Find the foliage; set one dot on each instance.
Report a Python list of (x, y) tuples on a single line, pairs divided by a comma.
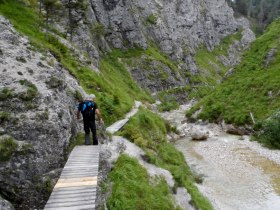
[(78, 96), (5, 93), (169, 98), (269, 133), (7, 147), (148, 131), (132, 188), (79, 7), (50, 7), (151, 19), (211, 69), (254, 87), (55, 82), (4, 116), (31, 91), (98, 29), (169, 103), (261, 12)]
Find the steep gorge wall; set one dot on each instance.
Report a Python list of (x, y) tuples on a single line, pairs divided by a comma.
[(37, 118)]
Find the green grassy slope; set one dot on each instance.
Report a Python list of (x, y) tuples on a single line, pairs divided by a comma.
[(133, 189), (254, 87), (211, 69)]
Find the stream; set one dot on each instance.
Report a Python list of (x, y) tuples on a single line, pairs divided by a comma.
[(237, 174)]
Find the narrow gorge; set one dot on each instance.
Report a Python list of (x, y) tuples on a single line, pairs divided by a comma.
[(193, 66)]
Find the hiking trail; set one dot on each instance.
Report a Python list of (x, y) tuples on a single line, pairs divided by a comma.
[(76, 187)]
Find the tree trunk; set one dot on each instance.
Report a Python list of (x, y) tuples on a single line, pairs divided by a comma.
[(47, 22), (40, 8), (250, 7), (70, 19)]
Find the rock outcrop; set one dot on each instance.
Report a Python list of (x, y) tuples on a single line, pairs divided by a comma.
[(199, 135)]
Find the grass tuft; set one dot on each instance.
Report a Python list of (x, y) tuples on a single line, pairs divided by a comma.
[(7, 147)]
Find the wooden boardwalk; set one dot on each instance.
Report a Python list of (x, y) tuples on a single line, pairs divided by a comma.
[(76, 187), (119, 124)]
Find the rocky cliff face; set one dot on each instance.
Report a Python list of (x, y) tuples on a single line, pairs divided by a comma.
[(177, 27), (37, 118)]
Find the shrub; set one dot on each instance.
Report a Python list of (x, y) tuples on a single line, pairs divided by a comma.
[(31, 92), (98, 29), (5, 94), (55, 82), (168, 106), (7, 147), (152, 19), (78, 96), (270, 132), (4, 116)]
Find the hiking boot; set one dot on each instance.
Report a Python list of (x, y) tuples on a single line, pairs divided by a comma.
[(95, 140), (87, 139)]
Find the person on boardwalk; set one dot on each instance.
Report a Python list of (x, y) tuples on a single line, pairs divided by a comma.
[(89, 109)]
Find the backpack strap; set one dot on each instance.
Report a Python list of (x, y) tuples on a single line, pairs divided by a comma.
[(84, 107)]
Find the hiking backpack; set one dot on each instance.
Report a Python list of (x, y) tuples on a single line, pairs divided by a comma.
[(88, 109)]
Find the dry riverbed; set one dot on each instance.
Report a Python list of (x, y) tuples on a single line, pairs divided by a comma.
[(237, 174)]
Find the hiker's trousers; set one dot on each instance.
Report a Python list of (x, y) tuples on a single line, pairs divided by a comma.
[(89, 125)]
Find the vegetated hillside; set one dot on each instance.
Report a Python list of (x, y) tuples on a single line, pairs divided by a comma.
[(254, 86)]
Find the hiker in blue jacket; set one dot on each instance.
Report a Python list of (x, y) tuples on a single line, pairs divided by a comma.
[(89, 108)]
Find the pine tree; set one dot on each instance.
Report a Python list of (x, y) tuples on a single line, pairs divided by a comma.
[(77, 5), (50, 7)]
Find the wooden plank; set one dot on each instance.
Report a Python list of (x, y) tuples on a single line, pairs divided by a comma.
[(79, 182), (82, 207), (83, 179), (70, 203), (72, 199), (69, 192)]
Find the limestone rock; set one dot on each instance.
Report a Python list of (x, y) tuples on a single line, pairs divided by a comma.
[(5, 205), (270, 56), (199, 135), (239, 131)]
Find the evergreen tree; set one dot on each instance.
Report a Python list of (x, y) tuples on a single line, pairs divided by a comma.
[(79, 6), (50, 7), (263, 12)]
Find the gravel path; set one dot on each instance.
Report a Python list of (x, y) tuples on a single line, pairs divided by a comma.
[(237, 174)]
